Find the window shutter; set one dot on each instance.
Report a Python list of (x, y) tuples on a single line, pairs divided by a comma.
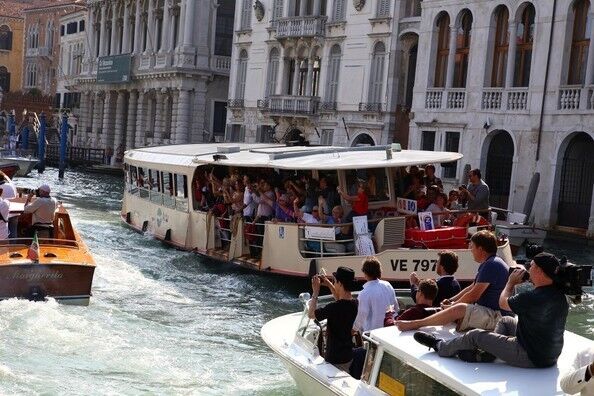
[(241, 137), (278, 9), (327, 137), (339, 10), (259, 138), (228, 132), (383, 9)]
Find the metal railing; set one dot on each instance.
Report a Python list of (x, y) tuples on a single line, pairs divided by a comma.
[(236, 103), (371, 107)]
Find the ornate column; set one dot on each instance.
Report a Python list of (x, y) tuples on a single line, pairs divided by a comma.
[(106, 130), (102, 29), (159, 121), (126, 32), (296, 77), (316, 8), (140, 120), (451, 57), (114, 29), (511, 55), (589, 79), (198, 111), (309, 79), (188, 23), (302, 8), (174, 108), (82, 118), (150, 22), (131, 122), (282, 71), (183, 112), (89, 129), (98, 119), (118, 143), (165, 29), (137, 31), (90, 25)]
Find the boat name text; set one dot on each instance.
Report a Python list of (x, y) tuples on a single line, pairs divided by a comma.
[(21, 275)]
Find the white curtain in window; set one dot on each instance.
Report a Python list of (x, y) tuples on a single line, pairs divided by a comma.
[(241, 75), (272, 75), (333, 74), (246, 15), (376, 79)]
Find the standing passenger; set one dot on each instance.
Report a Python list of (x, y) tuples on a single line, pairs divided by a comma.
[(376, 298)]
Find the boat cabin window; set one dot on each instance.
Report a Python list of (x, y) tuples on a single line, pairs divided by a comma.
[(167, 183), (181, 186), (397, 377), (140, 181), (376, 179)]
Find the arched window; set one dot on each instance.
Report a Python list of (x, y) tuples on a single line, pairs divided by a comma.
[(582, 27), (272, 73), (376, 77), (49, 36), (317, 64), (339, 12), (246, 15), (524, 40), (500, 47), (5, 38), (443, 49), (463, 35), (333, 74), (4, 79), (241, 74)]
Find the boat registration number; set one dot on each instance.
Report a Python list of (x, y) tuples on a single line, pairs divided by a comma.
[(422, 265)]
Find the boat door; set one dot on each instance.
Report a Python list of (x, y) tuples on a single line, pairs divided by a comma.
[(577, 180)]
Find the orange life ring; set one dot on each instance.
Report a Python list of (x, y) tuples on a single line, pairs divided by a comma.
[(466, 219)]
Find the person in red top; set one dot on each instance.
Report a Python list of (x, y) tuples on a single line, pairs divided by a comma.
[(359, 202), (426, 293)]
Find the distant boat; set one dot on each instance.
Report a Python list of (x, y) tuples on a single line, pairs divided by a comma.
[(25, 163), (59, 265)]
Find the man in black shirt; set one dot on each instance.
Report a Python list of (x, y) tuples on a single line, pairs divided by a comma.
[(340, 314), (534, 338)]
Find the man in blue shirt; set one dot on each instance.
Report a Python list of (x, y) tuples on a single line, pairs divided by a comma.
[(477, 306)]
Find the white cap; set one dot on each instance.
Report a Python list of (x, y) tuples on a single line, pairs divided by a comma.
[(45, 187)]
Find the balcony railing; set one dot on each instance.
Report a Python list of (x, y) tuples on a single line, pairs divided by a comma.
[(301, 26), (370, 107), (235, 103), (263, 104), (510, 99), (220, 63), (328, 106), (517, 99), (290, 104), (569, 97), (491, 98), (456, 98), (433, 98)]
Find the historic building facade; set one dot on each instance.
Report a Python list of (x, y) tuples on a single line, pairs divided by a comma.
[(73, 36), (329, 72), (175, 88), (11, 48), (510, 85), (42, 45)]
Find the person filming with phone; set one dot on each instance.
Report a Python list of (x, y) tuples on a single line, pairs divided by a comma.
[(477, 192)]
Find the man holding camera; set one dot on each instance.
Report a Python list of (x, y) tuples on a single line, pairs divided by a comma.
[(42, 209), (477, 191), (534, 338), (340, 314)]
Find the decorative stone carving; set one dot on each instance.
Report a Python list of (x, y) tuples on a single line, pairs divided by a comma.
[(259, 10), (359, 4)]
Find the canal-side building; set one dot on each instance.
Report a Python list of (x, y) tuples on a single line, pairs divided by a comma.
[(42, 45), (11, 46), (72, 51), (510, 85), (327, 72), (156, 73)]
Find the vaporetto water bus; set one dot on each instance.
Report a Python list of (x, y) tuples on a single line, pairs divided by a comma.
[(159, 199), (395, 364)]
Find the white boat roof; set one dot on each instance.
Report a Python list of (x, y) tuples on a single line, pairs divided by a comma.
[(480, 378), (283, 157)]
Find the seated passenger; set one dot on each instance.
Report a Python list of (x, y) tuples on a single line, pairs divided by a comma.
[(340, 314), (376, 298), (42, 209), (430, 179), (439, 207), (282, 208), (425, 295), (477, 306), (447, 284), (453, 203), (4, 212)]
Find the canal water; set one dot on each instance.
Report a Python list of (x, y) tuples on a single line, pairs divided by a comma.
[(160, 321)]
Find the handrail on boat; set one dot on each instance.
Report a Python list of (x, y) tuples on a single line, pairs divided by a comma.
[(13, 242)]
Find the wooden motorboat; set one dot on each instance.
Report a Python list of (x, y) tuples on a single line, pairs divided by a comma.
[(396, 364), (63, 268), (10, 169)]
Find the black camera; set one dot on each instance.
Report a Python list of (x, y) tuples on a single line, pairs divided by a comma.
[(526, 275), (571, 278)]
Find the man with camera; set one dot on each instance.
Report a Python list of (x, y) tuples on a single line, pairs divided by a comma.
[(532, 339), (42, 210), (340, 314), (477, 191)]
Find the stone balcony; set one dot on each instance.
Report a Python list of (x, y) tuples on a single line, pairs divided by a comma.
[(220, 64), (445, 98), (39, 51), (301, 26), (291, 105), (575, 98), (505, 99)]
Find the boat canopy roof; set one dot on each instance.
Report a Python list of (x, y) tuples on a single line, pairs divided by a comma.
[(284, 157), (479, 378)]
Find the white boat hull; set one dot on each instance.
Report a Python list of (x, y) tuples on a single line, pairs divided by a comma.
[(518, 234), (26, 165)]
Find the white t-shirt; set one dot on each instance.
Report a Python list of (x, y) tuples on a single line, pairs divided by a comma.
[(8, 190), (4, 210)]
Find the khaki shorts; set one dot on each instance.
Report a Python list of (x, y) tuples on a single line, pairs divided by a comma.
[(479, 317)]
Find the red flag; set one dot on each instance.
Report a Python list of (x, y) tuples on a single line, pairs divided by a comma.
[(33, 252)]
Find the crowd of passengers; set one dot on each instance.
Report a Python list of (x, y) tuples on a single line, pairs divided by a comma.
[(523, 328), (264, 195)]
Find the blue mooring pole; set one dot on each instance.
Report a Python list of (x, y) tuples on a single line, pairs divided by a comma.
[(63, 145), (41, 143), (25, 138), (11, 132)]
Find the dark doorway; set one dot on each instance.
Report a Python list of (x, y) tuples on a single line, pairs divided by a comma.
[(295, 137), (363, 140), (499, 168), (410, 76), (4, 79), (577, 179), (218, 124)]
